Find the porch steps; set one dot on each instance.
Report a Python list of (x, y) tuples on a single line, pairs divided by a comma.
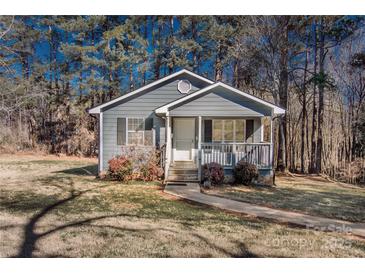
[(183, 165), (183, 172), (174, 178)]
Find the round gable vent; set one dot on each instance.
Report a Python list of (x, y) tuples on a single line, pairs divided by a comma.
[(184, 86)]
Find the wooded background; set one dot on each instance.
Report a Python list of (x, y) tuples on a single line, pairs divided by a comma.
[(52, 68)]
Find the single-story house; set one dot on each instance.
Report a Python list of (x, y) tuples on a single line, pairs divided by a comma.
[(193, 121)]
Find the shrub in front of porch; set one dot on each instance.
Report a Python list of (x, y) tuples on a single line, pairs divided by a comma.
[(214, 173), (120, 168), (150, 171), (145, 162), (245, 173)]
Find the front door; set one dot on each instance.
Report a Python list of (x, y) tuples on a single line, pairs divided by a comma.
[(183, 139)]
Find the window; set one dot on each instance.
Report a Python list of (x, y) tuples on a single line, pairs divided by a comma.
[(229, 130), (135, 131), (240, 130), (135, 124), (217, 130)]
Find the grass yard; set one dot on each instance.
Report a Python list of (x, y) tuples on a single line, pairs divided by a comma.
[(311, 195), (54, 207)]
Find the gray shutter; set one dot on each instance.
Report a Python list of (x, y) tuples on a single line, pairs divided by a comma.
[(121, 131), (148, 134), (249, 131), (148, 123), (208, 131)]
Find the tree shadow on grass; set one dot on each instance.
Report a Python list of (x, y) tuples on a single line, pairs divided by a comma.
[(90, 170), (31, 236), (243, 252)]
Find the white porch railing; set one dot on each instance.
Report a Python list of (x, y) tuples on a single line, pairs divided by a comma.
[(228, 154)]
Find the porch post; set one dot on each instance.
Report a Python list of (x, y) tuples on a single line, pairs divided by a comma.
[(261, 129), (168, 144), (199, 146), (101, 143), (271, 142)]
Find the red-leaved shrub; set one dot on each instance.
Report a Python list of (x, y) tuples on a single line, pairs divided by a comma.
[(151, 172), (145, 163), (245, 173), (214, 173), (120, 168)]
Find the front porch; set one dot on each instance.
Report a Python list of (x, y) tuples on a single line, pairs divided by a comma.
[(219, 124), (192, 142)]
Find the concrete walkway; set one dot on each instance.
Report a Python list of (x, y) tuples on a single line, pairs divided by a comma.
[(191, 191)]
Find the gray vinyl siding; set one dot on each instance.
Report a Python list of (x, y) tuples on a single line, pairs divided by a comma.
[(221, 104), (142, 106)]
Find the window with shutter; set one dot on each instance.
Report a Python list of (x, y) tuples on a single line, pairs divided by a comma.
[(135, 131)]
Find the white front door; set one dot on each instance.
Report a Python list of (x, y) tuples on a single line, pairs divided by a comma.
[(183, 139)]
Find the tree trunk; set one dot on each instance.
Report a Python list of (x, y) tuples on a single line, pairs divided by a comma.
[(304, 110), (235, 74), (283, 96), (157, 64), (314, 113), (131, 82), (218, 66), (171, 42), (194, 37), (320, 98)]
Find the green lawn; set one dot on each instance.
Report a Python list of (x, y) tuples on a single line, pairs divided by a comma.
[(53, 207), (312, 195)]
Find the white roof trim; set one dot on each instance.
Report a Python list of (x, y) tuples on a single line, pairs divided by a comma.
[(97, 109), (165, 108)]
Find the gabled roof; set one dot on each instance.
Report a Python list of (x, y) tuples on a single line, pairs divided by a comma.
[(164, 109), (98, 109)]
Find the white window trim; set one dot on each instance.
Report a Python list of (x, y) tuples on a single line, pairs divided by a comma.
[(127, 130)]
